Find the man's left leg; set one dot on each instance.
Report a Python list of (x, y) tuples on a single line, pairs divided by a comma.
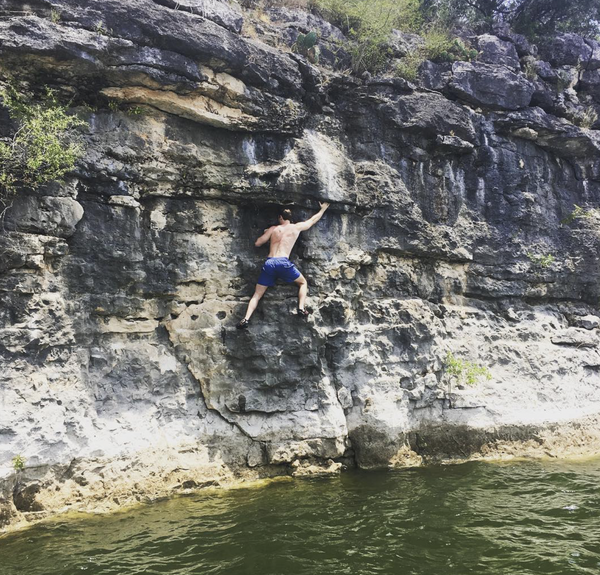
[(302, 293)]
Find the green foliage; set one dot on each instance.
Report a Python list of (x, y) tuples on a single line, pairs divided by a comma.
[(136, 111), (588, 118), (408, 68), (44, 146), (581, 213), (439, 46), (55, 16), (100, 28), (465, 372), (543, 261), (530, 70), (442, 47), (368, 24), (563, 80), (306, 44), (18, 462), (113, 105)]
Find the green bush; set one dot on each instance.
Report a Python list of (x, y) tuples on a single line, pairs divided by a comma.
[(368, 24), (465, 372), (18, 462), (306, 44), (439, 46), (579, 213), (587, 118), (408, 68), (43, 147), (543, 261)]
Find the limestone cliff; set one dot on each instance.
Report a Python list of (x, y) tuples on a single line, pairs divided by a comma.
[(122, 374)]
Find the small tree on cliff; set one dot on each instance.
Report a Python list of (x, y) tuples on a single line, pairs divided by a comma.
[(42, 146)]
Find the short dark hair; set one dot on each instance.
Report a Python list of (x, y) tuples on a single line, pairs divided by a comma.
[(286, 214)]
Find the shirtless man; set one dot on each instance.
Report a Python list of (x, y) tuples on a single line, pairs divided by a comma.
[(282, 238)]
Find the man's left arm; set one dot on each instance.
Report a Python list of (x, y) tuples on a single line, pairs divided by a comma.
[(303, 226)]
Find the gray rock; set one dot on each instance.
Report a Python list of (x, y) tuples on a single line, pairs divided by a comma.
[(522, 45), (576, 337), (593, 62), (490, 86), (219, 11), (454, 145), (404, 43), (492, 50), (435, 76), (45, 215), (565, 49), (587, 322), (545, 71)]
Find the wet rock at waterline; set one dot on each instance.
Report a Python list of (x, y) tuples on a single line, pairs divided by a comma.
[(122, 375)]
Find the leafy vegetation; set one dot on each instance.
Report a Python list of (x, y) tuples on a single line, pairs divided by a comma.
[(368, 25), (43, 147), (439, 46), (306, 44), (465, 372), (136, 111), (581, 213), (543, 260), (530, 70), (588, 118), (18, 462)]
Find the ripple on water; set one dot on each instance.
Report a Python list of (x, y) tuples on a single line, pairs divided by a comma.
[(521, 518)]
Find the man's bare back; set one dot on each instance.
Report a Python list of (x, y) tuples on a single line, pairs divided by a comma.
[(284, 236), (282, 239)]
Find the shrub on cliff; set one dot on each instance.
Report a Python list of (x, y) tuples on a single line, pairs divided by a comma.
[(439, 46), (465, 372), (43, 146), (368, 24)]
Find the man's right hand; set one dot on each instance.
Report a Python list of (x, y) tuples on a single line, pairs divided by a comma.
[(324, 205)]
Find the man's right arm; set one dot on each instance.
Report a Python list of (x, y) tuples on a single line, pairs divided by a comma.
[(303, 226), (265, 237)]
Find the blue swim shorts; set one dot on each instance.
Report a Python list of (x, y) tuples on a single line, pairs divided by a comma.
[(278, 268)]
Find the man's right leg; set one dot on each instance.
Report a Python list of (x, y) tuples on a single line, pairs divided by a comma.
[(258, 293), (302, 291)]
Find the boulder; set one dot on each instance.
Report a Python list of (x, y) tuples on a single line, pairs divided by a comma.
[(45, 215), (593, 62), (490, 86), (435, 76), (492, 50), (566, 49), (220, 12)]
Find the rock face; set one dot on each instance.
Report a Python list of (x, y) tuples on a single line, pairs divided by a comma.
[(122, 374)]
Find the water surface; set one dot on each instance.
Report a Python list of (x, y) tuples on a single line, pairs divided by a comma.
[(513, 518)]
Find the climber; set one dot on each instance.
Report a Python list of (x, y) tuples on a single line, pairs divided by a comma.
[(282, 238)]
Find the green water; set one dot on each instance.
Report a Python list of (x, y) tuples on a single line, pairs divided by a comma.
[(513, 519)]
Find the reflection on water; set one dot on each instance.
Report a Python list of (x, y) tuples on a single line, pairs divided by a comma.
[(514, 519)]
